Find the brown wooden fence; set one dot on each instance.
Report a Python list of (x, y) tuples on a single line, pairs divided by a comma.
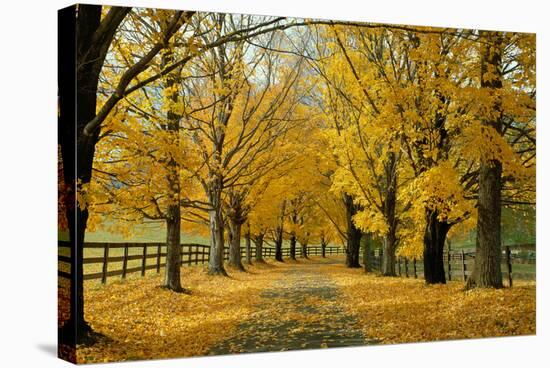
[(517, 261), (191, 254)]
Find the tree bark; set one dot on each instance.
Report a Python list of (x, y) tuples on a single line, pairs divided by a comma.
[(258, 244), (366, 240), (323, 248), (82, 46), (215, 263), (353, 234), (248, 246), (389, 205), (235, 258), (388, 257), (434, 244), (292, 250), (173, 249), (279, 234), (173, 211), (487, 272), (303, 247)]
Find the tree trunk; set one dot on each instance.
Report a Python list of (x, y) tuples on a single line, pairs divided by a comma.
[(235, 258), (390, 201), (173, 211), (215, 263), (79, 50), (84, 38), (173, 249), (366, 239), (303, 247), (323, 248), (76, 329), (388, 255), (292, 246), (434, 244), (487, 272), (247, 246), (258, 244), (279, 234), (353, 234)]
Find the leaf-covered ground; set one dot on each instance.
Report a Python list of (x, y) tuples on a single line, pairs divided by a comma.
[(305, 304), (143, 321), (397, 310)]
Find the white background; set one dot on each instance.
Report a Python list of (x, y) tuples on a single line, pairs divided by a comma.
[(28, 181)]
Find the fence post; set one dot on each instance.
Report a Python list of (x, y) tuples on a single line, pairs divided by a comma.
[(406, 268), (449, 275), (105, 265), (414, 268), (158, 257), (509, 264), (125, 260), (463, 259), (144, 260), (196, 254)]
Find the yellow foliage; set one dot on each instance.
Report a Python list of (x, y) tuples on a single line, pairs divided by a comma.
[(400, 310), (143, 321)]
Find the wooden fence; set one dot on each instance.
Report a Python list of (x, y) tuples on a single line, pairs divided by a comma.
[(191, 254), (517, 262)]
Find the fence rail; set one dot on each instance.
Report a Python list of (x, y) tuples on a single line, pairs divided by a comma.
[(517, 260), (191, 254), (459, 263)]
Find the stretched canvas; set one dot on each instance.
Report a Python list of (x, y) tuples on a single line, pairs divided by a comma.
[(234, 183)]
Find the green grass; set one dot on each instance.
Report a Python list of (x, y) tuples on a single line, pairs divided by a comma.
[(143, 233), (156, 233)]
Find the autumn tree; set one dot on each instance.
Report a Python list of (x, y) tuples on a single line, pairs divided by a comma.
[(364, 144), (299, 222), (265, 216), (236, 114), (94, 35), (506, 66)]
